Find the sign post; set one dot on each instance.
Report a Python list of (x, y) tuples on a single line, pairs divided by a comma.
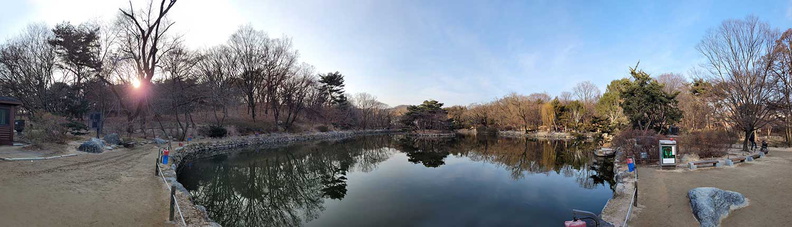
[(668, 152), (96, 122)]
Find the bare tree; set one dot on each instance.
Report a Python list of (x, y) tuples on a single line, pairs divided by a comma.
[(370, 108), (586, 92), (782, 53), (27, 63), (279, 67), (741, 74), (296, 92), (565, 97), (143, 40), (672, 82), (178, 93), (215, 73), (263, 66)]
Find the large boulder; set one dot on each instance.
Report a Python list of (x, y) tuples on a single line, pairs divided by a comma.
[(112, 139), (92, 146), (159, 141), (711, 205)]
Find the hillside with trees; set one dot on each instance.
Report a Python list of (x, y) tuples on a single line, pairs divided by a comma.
[(146, 82)]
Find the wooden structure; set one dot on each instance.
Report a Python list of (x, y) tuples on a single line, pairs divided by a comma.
[(713, 163), (7, 110)]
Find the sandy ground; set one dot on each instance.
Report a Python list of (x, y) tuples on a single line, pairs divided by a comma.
[(115, 188), (765, 182), (20, 152)]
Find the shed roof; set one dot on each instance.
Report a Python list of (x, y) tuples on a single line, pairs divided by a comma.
[(9, 100)]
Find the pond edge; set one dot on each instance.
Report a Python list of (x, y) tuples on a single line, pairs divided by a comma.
[(196, 215)]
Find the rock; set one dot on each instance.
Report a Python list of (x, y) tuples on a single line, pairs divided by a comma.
[(159, 141), (711, 205), (92, 146), (112, 139), (201, 209)]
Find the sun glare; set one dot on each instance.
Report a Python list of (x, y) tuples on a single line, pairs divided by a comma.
[(135, 83)]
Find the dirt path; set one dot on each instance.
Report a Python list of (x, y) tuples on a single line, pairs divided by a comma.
[(115, 188), (765, 182)]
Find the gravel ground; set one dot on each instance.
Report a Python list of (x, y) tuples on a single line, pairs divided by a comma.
[(765, 182), (115, 188)]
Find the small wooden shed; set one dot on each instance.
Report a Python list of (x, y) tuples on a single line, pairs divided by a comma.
[(7, 110)]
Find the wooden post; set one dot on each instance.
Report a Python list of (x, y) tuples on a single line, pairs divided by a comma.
[(172, 202), (635, 203)]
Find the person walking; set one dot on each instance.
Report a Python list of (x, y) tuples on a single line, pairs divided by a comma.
[(752, 138)]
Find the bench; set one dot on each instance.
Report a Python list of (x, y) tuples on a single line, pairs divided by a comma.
[(696, 164), (737, 159), (748, 158)]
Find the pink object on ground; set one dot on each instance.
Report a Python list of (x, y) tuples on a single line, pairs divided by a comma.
[(578, 223)]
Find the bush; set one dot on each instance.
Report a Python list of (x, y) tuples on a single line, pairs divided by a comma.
[(483, 130), (632, 142), (706, 144), (213, 131), (248, 127), (75, 127), (322, 128), (47, 128)]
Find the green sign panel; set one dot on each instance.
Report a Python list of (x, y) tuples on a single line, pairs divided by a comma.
[(667, 152)]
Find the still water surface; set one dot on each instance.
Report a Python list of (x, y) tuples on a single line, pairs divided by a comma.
[(401, 181)]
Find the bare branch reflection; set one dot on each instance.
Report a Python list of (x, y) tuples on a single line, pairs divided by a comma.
[(289, 186)]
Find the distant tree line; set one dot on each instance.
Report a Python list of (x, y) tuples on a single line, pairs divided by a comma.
[(137, 69), (138, 73)]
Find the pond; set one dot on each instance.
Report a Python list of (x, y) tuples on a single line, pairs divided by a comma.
[(397, 180)]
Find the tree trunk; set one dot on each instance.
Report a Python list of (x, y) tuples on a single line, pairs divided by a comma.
[(747, 138), (788, 136)]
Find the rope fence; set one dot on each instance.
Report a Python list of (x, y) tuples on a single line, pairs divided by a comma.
[(172, 189), (633, 201)]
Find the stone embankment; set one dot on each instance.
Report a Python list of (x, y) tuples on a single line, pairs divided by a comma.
[(543, 135), (434, 135), (619, 208), (195, 215)]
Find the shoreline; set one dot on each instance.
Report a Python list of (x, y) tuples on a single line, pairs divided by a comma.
[(195, 214), (618, 209)]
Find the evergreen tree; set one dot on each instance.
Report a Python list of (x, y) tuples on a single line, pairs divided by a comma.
[(333, 88), (647, 106), (430, 115)]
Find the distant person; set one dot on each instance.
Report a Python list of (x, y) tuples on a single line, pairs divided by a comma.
[(752, 138), (764, 147)]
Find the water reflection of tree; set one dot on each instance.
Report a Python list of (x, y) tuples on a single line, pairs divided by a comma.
[(284, 187), (569, 158), (520, 156), (430, 152), (287, 186)]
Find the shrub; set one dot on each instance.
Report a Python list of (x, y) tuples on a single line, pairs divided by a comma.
[(296, 128), (248, 127), (706, 144), (632, 142), (75, 127), (47, 128), (213, 131), (483, 130), (322, 128)]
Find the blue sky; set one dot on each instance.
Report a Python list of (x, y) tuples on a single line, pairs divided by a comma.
[(458, 52)]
